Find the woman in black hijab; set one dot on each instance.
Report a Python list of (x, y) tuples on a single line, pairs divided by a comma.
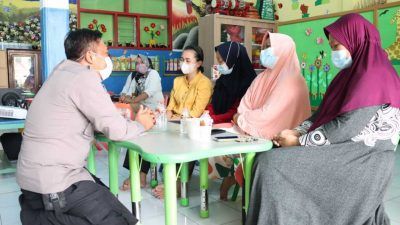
[(237, 73)]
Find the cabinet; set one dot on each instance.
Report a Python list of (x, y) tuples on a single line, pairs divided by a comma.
[(215, 29)]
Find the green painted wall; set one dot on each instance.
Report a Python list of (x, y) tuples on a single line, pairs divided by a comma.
[(389, 32)]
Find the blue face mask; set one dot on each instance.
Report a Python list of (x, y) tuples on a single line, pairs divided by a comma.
[(267, 58), (224, 69), (341, 60)]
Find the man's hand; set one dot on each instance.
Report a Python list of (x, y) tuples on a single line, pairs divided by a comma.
[(145, 117)]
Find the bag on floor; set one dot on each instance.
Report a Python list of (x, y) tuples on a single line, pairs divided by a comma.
[(11, 143)]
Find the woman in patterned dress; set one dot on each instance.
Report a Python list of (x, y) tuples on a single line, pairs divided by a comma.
[(334, 168)]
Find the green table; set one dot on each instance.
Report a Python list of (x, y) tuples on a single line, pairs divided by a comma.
[(169, 148)]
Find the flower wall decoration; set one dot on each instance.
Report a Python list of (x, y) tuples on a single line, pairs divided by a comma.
[(95, 25), (154, 33), (27, 31)]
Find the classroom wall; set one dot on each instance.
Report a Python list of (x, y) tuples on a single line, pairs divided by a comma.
[(292, 9), (314, 52)]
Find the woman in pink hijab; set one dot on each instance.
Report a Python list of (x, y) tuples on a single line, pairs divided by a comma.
[(278, 98)]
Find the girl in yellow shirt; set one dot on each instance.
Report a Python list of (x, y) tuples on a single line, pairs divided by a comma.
[(192, 91)]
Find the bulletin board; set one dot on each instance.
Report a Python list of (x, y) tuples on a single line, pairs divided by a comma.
[(314, 51)]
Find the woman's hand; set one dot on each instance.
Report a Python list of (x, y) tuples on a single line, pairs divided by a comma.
[(169, 114), (122, 98), (235, 118), (287, 138)]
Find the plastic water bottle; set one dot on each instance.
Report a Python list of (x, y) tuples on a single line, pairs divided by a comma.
[(206, 118), (162, 120), (183, 125)]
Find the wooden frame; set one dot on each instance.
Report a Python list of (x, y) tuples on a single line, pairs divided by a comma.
[(126, 13), (36, 63)]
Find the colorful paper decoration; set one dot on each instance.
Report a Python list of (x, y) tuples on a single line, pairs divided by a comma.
[(295, 4), (304, 11), (153, 33), (320, 40), (267, 10), (95, 25), (309, 31)]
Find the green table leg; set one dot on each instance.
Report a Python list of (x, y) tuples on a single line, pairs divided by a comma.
[(113, 155), (204, 213), (184, 181), (248, 166), (170, 194), (154, 180), (91, 160), (135, 183)]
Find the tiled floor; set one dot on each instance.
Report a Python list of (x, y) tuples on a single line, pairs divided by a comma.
[(227, 213)]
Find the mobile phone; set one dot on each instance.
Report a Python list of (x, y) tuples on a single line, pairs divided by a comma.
[(217, 131), (225, 138)]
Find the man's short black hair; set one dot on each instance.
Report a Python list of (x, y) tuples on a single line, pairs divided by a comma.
[(80, 41)]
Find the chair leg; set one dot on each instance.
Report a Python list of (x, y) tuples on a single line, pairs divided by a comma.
[(235, 192)]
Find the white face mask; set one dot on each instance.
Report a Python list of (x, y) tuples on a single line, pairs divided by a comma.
[(106, 72), (187, 68), (267, 58), (341, 60), (224, 69)]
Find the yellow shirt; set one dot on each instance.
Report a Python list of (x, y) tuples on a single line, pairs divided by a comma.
[(194, 95)]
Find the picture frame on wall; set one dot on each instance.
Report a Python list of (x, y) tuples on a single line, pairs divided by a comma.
[(24, 69)]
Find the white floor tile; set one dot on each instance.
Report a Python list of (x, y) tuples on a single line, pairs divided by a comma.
[(219, 214), (181, 220), (392, 208), (10, 215), (9, 199)]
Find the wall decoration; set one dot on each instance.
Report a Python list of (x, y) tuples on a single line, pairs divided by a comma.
[(394, 49), (267, 10), (321, 2), (185, 21), (154, 32), (360, 4), (320, 40), (309, 31), (304, 11), (295, 4), (20, 22), (389, 28), (95, 25), (129, 23)]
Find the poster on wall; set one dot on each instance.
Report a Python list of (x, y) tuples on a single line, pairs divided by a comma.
[(20, 21)]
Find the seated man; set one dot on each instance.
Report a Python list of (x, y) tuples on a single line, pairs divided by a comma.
[(56, 188)]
